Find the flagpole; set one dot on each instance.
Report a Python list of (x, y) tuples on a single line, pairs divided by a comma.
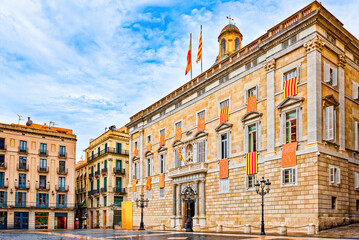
[(201, 52), (190, 36)]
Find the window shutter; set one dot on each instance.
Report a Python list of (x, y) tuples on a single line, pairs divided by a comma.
[(330, 122), (282, 128), (294, 175), (356, 135), (326, 72), (355, 90), (258, 132), (334, 125), (331, 175), (245, 139), (218, 146), (57, 198), (335, 77), (338, 176), (17, 197), (196, 152), (283, 177), (356, 177)]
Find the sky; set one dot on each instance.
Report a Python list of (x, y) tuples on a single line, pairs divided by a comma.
[(89, 64)]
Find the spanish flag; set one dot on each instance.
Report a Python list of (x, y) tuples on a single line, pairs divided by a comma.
[(189, 60), (290, 87), (199, 54), (161, 183), (180, 157), (223, 168)]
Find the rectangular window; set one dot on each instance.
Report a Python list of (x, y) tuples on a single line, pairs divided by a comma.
[(20, 199), (62, 151), (162, 132), (98, 202), (43, 148), (330, 74), (149, 194), (23, 146), (224, 79), (224, 185), (104, 201), (289, 176), (289, 75), (251, 92), (148, 139), (252, 138), (118, 147), (329, 119), (162, 163), (2, 143), (62, 166), (149, 120), (291, 127), (251, 181), (61, 199), (334, 202), (22, 162), (43, 164), (201, 114), (224, 104), (224, 146), (334, 175), (42, 182), (162, 193), (22, 180), (162, 113), (176, 157), (2, 198), (201, 149), (148, 168), (248, 66), (135, 170), (62, 183), (178, 124)]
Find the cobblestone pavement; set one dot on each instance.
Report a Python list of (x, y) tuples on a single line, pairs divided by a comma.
[(140, 235)]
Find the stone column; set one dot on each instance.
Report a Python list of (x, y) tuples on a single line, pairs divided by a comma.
[(70, 220), (32, 220), (196, 207), (52, 220), (341, 82), (202, 212), (178, 208), (314, 88), (173, 217), (270, 68)]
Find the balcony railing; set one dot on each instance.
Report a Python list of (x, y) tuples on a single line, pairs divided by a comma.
[(90, 192), (117, 190), (118, 170), (108, 150), (59, 205), (62, 171), (62, 188), (91, 175), (21, 204), (3, 203), (97, 173), (96, 191), (23, 167), (23, 150), (4, 184), (189, 169), (104, 170), (22, 185), (104, 190), (44, 153), (43, 169), (3, 165), (42, 187), (62, 155), (42, 204)]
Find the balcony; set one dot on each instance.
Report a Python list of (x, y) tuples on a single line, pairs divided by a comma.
[(62, 171), (23, 150), (4, 184), (90, 193), (118, 170), (42, 187), (43, 169), (59, 205), (97, 173), (62, 155), (43, 153), (96, 191), (91, 175), (42, 204), (108, 150), (22, 167), (20, 204), (104, 190), (189, 169), (22, 185), (3, 165), (119, 191), (62, 188), (104, 171)]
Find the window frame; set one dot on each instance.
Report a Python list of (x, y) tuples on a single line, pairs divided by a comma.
[(224, 185), (330, 73), (326, 123), (248, 188), (162, 155), (294, 181), (149, 166), (246, 92), (162, 193), (335, 181), (288, 69)]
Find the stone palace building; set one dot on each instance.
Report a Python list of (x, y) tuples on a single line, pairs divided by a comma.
[(285, 107)]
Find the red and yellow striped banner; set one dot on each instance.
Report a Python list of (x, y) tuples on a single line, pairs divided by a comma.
[(161, 183), (162, 140), (180, 157), (136, 151), (252, 103), (224, 115), (200, 124), (290, 87), (223, 168), (149, 146), (289, 154), (134, 182), (251, 163), (178, 134), (199, 54), (189, 61), (148, 183)]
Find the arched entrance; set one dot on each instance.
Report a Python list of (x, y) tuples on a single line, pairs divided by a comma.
[(189, 197)]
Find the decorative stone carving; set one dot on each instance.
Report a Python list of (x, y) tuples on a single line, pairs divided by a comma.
[(189, 154), (315, 43), (342, 61), (270, 65)]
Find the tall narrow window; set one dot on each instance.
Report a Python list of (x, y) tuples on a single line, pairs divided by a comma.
[(252, 138), (201, 149), (329, 123), (43, 148), (61, 183), (23, 145), (162, 163), (62, 151), (237, 44), (148, 167), (224, 146), (223, 47), (291, 127), (43, 164), (2, 143), (22, 162)]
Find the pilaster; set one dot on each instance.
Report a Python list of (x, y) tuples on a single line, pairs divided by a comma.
[(270, 68), (341, 85), (202, 213)]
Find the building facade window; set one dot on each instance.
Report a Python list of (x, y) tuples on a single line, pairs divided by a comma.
[(62, 183), (62, 151), (289, 75), (251, 181), (134, 197), (289, 176), (224, 185), (334, 175), (43, 164), (162, 193), (329, 122), (252, 138), (23, 146), (162, 161), (237, 45), (201, 151), (149, 194), (291, 127), (148, 167), (223, 47), (330, 74), (224, 146), (43, 148), (334, 202), (177, 161), (22, 162)]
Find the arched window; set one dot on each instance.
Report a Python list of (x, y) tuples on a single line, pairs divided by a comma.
[(223, 47), (237, 44)]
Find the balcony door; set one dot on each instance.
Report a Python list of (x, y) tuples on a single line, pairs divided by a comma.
[(22, 180), (2, 179), (118, 183), (43, 164), (61, 183), (118, 164), (42, 182)]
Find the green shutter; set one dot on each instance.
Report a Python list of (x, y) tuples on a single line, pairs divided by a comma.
[(65, 200), (16, 197), (106, 164), (105, 182)]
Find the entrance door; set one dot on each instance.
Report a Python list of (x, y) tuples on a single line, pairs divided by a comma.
[(104, 219), (21, 220), (91, 220), (97, 219), (3, 220), (185, 211)]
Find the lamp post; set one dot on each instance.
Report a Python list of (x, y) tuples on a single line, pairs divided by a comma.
[(142, 203), (262, 189), (113, 208), (189, 196)]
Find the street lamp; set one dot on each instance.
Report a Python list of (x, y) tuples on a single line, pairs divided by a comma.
[(113, 208), (261, 190), (142, 203), (189, 196)]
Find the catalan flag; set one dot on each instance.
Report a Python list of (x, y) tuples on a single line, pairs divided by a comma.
[(252, 103), (290, 87), (189, 60), (149, 146), (200, 124), (136, 151), (178, 133), (251, 163), (199, 54), (224, 115), (161, 182), (289, 154), (134, 182), (180, 157), (223, 168), (162, 140), (148, 183)]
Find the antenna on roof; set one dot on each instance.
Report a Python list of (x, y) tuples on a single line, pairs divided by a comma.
[(230, 19), (52, 123), (20, 118)]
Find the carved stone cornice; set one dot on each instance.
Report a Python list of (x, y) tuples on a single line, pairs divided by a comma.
[(315, 43), (270, 65), (342, 61)]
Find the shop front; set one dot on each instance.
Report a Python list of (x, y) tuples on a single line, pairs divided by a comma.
[(60, 220), (21, 220), (42, 220), (3, 220)]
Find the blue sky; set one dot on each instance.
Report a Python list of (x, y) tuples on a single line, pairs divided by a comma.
[(90, 64)]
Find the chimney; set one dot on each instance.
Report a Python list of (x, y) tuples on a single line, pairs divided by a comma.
[(29, 122)]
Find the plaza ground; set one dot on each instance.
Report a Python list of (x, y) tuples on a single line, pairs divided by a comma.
[(345, 232)]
